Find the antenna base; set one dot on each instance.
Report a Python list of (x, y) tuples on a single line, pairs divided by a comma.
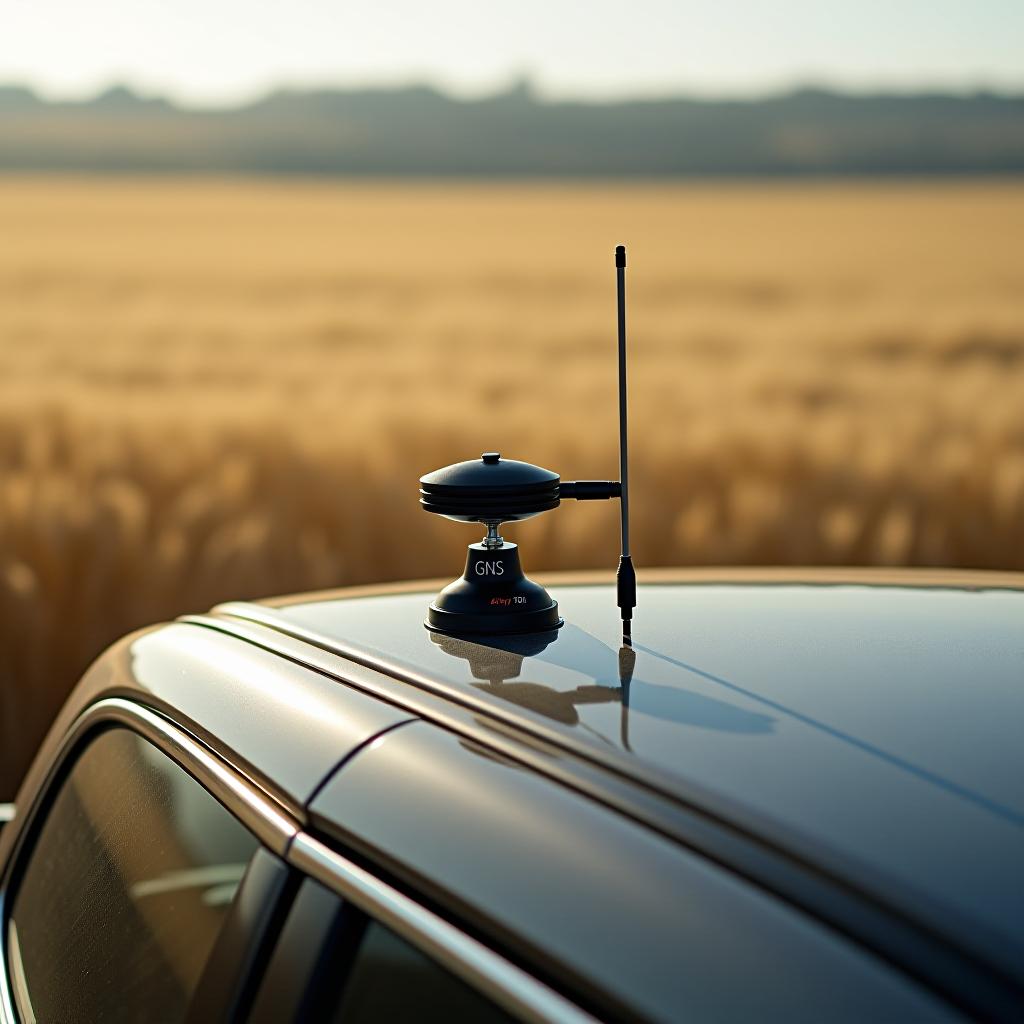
[(493, 597)]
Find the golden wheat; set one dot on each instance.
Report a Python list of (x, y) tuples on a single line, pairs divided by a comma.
[(215, 389)]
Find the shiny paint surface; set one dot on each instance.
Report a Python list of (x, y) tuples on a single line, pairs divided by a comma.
[(584, 892), (280, 723), (831, 719), (291, 724), (876, 729)]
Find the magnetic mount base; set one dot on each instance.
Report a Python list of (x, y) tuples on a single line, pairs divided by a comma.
[(493, 597)]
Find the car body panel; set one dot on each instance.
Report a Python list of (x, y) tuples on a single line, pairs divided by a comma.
[(820, 760), (646, 922), (283, 724), (874, 728), (289, 723)]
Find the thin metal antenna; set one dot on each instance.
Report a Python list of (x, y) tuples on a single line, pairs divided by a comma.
[(625, 577)]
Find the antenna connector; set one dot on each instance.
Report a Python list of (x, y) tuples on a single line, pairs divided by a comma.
[(625, 589), (589, 490)]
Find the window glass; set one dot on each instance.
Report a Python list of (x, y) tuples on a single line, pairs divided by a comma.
[(393, 981), (124, 890)]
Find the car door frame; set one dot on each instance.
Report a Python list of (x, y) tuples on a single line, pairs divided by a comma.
[(278, 830)]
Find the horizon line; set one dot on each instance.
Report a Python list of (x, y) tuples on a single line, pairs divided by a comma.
[(524, 86)]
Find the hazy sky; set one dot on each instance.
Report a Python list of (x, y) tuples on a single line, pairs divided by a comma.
[(223, 50)]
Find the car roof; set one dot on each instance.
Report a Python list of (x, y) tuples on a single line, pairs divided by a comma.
[(866, 723)]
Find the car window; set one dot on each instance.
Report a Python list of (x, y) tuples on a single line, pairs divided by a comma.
[(125, 889), (393, 981)]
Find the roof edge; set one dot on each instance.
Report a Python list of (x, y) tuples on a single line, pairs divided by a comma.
[(958, 579)]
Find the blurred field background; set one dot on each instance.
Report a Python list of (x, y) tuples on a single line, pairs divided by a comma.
[(216, 389)]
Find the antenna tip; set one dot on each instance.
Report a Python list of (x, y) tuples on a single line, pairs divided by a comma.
[(620, 256)]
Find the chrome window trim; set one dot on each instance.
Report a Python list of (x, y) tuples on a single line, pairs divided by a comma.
[(505, 984), (479, 966)]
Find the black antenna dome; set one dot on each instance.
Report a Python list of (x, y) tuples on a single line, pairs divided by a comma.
[(489, 488)]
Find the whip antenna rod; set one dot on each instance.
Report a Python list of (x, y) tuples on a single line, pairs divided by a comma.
[(625, 577)]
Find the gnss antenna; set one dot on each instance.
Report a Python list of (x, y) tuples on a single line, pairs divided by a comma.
[(493, 596)]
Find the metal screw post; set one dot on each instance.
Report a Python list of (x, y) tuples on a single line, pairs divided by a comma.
[(493, 538)]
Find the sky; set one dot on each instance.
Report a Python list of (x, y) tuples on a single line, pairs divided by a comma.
[(209, 52)]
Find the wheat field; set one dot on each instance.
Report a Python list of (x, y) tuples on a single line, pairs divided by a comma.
[(222, 389)]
